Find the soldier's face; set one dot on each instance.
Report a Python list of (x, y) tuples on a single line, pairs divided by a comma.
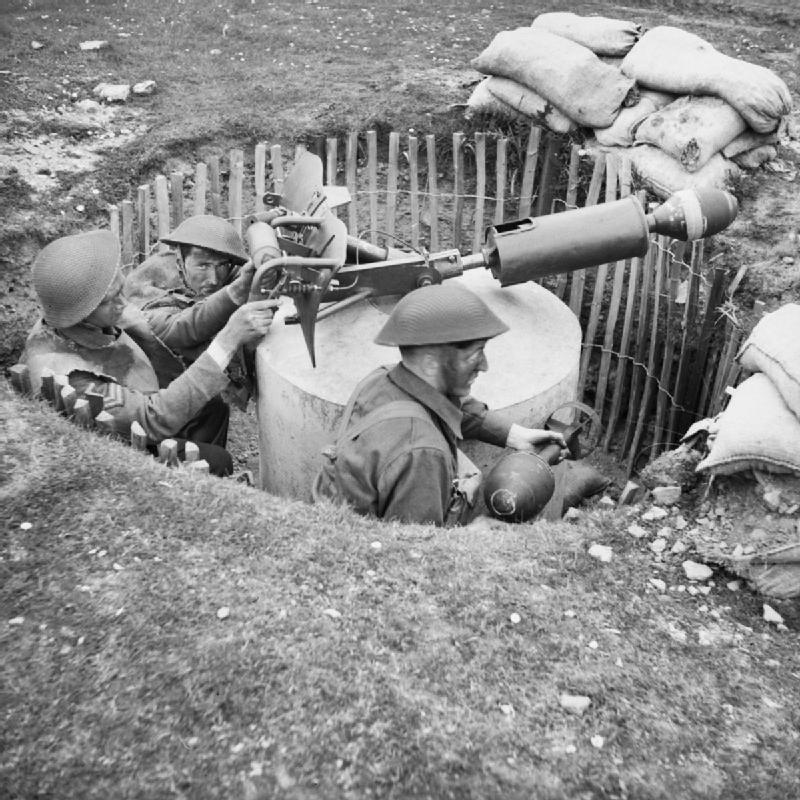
[(206, 271), (460, 365), (108, 312)]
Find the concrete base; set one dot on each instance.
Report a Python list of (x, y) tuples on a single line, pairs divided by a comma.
[(532, 370)]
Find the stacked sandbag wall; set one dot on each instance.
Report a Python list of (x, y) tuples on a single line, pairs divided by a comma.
[(684, 113)]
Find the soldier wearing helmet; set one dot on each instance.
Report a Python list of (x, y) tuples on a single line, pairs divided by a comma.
[(103, 344), (187, 294), (397, 456)]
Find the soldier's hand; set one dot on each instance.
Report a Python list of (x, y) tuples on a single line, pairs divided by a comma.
[(248, 323), (521, 438), (239, 289)]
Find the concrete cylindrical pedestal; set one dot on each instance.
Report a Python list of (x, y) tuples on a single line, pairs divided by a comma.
[(532, 369)]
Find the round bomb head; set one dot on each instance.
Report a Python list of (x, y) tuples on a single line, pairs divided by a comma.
[(72, 275), (442, 313), (518, 486), (211, 233)]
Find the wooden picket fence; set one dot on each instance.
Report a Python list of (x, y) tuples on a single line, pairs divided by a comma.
[(657, 351)]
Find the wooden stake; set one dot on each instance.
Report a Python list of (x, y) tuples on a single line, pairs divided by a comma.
[(391, 184), (176, 198), (547, 184), (599, 288), (198, 467), (260, 174), (480, 190), (48, 391), (168, 452), (20, 378), (276, 164), (592, 196), (372, 177), (191, 452), (104, 423), (59, 383), (113, 220), (644, 408), (624, 348), (214, 186), (235, 188), (663, 393), (529, 172), (638, 372), (500, 181), (433, 191), (570, 202), (82, 413), (128, 262), (458, 187), (161, 191), (351, 181), (200, 187), (143, 222), (613, 307), (96, 402), (68, 398), (413, 175), (704, 364), (138, 436), (332, 168), (683, 406)]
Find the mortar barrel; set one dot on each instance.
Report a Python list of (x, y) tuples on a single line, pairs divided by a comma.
[(533, 248)]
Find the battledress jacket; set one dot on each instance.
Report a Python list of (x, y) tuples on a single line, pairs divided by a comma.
[(138, 378), (184, 322), (403, 468)]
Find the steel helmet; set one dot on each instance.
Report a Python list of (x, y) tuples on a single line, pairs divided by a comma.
[(72, 274), (211, 233), (518, 486), (440, 313)]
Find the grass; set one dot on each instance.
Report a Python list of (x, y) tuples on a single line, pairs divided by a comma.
[(358, 659)]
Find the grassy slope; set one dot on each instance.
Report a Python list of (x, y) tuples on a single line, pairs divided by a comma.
[(358, 659)]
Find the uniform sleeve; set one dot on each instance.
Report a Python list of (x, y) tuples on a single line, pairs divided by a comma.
[(415, 487), (480, 423), (182, 329), (163, 413)]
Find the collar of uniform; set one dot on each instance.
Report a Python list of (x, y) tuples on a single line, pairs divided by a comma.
[(440, 404), (90, 336)]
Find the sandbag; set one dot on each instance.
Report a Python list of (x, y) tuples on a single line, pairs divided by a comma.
[(621, 133), (482, 101), (664, 175), (773, 347), (692, 129), (529, 104), (752, 159), (756, 431), (602, 35), (673, 60), (565, 73), (749, 140)]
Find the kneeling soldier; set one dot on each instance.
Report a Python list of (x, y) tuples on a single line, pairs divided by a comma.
[(397, 454), (102, 344)]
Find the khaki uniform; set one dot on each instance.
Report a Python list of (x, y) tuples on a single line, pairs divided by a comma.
[(404, 467), (129, 370), (183, 322)]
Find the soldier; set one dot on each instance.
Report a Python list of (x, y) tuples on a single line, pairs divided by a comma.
[(102, 344), (397, 454), (188, 294)]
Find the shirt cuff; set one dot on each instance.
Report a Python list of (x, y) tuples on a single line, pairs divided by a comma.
[(219, 354), (232, 297)]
